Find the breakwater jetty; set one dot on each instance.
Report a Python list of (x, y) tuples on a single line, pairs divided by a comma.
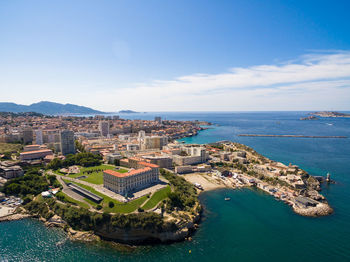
[(299, 136)]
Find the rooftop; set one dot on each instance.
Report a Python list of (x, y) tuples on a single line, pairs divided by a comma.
[(36, 151), (148, 164), (130, 173)]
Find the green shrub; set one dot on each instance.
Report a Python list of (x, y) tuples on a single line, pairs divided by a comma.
[(185, 194), (32, 183)]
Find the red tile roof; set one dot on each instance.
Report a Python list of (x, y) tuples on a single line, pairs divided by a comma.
[(37, 151), (130, 173), (143, 163)]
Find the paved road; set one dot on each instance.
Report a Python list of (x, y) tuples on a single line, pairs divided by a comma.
[(69, 192)]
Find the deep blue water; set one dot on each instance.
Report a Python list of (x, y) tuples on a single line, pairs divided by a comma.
[(250, 227)]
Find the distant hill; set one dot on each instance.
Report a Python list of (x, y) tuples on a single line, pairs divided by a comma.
[(48, 108)]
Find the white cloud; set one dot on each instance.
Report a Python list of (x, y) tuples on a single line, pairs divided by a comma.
[(315, 81), (311, 82)]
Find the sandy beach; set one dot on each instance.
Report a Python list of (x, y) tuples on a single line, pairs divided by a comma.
[(207, 182)]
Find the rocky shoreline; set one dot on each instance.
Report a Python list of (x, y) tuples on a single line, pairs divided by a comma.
[(289, 184), (209, 184), (14, 217), (132, 236)]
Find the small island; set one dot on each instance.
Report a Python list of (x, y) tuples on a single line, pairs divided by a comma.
[(309, 118), (330, 114), (127, 112)]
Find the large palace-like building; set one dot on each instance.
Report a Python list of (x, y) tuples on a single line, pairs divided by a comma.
[(122, 183)]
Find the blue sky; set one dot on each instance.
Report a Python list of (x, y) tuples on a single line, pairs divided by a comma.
[(177, 55)]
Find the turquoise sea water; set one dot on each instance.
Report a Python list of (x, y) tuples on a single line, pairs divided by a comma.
[(252, 226)]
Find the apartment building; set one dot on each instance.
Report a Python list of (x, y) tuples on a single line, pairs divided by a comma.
[(154, 142), (67, 142)]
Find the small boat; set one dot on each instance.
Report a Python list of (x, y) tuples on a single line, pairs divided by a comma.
[(227, 199)]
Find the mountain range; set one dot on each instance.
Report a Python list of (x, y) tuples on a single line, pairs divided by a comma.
[(47, 108)]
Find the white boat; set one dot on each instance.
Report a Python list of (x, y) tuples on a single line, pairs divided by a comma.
[(227, 199)]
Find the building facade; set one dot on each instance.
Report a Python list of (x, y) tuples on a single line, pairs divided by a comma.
[(154, 142), (27, 135), (9, 172), (196, 155), (67, 142), (39, 137), (161, 161), (158, 119), (35, 154), (104, 128), (123, 183)]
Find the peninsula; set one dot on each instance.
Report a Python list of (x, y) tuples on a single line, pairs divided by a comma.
[(131, 181)]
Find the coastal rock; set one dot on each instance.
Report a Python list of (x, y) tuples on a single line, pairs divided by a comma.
[(309, 118), (14, 217), (86, 236), (139, 235), (321, 209), (55, 221)]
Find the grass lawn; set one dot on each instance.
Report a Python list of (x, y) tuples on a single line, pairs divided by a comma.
[(119, 207), (68, 199), (7, 147), (95, 173), (157, 197)]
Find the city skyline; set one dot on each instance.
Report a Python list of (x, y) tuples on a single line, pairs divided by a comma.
[(192, 56)]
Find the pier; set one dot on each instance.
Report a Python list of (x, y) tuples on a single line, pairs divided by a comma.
[(298, 136)]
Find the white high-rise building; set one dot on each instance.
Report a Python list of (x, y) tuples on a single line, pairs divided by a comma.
[(39, 137), (141, 136)]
